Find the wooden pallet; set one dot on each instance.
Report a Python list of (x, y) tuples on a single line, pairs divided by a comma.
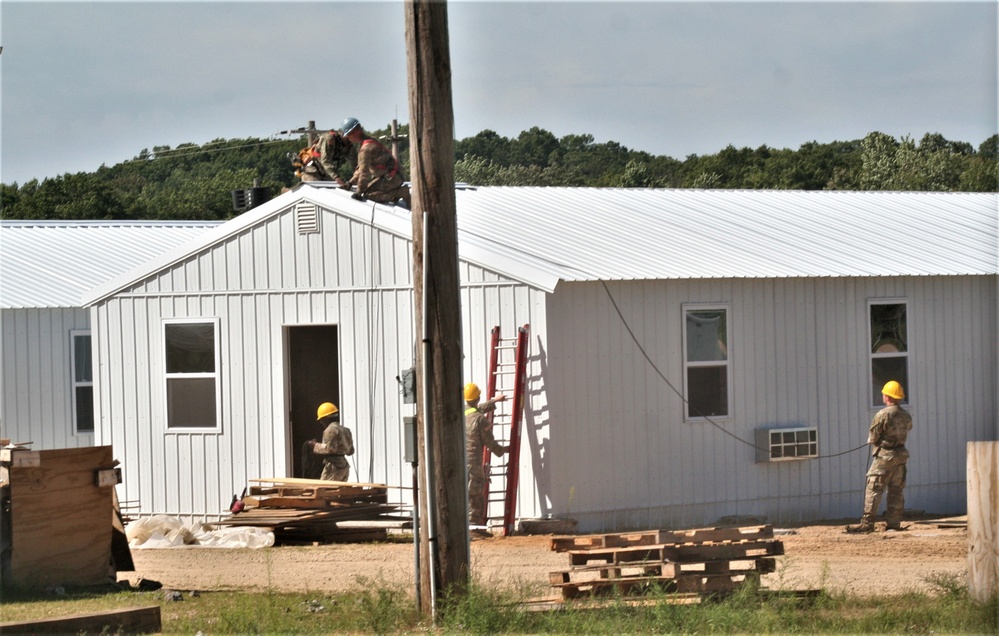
[(701, 561), (693, 552), (684, 583), (657, 537), (668, 569)]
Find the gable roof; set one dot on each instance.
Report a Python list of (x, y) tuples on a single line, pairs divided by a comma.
[(541, 236), (47, 264)]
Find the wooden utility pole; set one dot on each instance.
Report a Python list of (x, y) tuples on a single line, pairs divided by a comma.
[(444, 549), (983, 520)]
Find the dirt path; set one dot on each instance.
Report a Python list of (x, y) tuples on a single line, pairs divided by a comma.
[(815, 556)]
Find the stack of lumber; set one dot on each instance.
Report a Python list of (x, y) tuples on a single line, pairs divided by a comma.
[(702, 561), (317, 511)]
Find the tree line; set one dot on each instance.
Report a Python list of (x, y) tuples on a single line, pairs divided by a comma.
[(195, 182)]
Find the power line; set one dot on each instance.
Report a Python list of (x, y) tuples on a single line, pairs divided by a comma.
[(680, 393)]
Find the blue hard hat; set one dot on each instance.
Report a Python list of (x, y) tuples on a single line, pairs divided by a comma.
[(348, 125)]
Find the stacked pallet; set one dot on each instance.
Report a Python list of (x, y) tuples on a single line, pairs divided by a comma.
[(702, 561), (316, 511)]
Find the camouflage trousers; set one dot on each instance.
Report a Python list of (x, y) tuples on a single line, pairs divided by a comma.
[(387, 189), (335, 469), (476, 496), (886, 473)]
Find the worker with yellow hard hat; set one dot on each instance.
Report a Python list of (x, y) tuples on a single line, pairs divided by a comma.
[(338, 442), (887, 435), (479, 436)]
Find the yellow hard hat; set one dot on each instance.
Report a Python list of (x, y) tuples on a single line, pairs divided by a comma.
[(325, 410), (472, 392), (893, 390)]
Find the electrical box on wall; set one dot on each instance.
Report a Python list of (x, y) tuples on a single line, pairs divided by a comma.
[(409, 439), (784, 444), (408, 380)]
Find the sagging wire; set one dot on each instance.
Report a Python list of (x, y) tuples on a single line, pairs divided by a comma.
[(653, 364), (187, 152), (683, 397)]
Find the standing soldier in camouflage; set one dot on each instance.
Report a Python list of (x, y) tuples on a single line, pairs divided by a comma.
[(478, 435), (889, 430), (338, 442), (378, 176)]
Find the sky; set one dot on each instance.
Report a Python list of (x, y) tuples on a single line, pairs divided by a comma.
[(85, 84)]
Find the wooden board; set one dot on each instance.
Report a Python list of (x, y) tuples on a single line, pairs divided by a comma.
[(312, 482), (60, 520), (139, 620)]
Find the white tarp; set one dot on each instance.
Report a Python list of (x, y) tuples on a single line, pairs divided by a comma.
[(162, 531)]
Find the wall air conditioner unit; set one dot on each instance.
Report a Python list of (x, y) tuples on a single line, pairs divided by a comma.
[(786, 444)]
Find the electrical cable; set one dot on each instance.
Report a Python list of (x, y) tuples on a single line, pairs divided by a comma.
[(680, 393), (649, 359)]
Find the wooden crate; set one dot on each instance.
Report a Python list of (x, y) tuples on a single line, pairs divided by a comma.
[(60, 518)]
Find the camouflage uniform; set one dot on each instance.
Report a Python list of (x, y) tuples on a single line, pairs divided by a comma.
[(889, 430), (337, 442), (325, 157), (478, 435), (378, 177)]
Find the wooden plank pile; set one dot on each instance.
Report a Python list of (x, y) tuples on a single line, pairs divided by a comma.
[(315, 511), (701, 561)]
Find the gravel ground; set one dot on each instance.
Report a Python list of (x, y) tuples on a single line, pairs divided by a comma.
[(816, 556)]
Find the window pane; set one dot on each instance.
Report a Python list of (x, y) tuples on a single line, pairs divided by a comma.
[(190, 348), (191, 402), (707, 391), (84, 409), (888, 328), (706, 339), (885, 369), (83, 369)]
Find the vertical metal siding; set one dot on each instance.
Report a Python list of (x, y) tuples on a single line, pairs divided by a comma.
[(489, 300), (799, 356), (257, 283), (37, 377)]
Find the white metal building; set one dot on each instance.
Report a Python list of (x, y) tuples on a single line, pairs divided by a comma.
[(694, 354), (45, 266)]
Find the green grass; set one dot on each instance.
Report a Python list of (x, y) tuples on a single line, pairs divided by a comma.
[(383, 610)]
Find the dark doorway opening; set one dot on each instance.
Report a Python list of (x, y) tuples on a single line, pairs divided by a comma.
[(313, 378)]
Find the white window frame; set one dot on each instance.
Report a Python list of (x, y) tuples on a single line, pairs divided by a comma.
[(76, 383), (727, 362), (216, 376), (872, 356), (791, 443)]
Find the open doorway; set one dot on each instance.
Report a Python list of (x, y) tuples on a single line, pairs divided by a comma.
[(313, 358)]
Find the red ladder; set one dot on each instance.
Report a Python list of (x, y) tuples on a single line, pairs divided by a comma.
[(507, 375)]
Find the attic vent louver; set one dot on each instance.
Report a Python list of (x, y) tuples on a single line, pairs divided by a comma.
[(307, 218)]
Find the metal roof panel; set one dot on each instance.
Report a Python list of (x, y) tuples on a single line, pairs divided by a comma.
[(52, 263)]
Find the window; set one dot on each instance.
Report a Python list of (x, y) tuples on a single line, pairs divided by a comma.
[(706, 361), (83, 382), (889, 346), (192, 383)]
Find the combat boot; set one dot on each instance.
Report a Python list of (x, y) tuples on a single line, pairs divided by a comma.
[(862, 527)]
